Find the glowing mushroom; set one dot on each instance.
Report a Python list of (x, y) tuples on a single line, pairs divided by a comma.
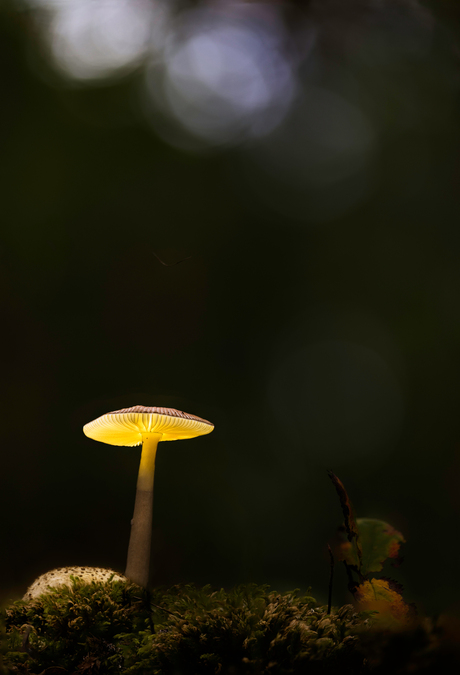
[(147, 426)]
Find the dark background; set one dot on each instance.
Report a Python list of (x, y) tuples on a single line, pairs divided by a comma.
[(315, 320)]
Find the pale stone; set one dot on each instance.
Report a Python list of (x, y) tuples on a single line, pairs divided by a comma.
[(61, 577)]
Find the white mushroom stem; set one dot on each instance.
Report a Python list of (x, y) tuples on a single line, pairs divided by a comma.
[(138, 563)]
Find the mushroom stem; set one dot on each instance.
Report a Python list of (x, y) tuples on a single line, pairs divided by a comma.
[(138, 563)]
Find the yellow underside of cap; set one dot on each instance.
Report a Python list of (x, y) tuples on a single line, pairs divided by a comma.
[(130, 428)]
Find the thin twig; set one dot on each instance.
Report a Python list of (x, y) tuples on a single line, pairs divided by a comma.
[(331, 578)]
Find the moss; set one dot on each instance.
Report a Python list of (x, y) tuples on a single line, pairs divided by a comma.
[(67, 626), (119, 628)]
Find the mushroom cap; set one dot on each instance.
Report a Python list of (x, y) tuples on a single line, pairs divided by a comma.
[(129, 425)]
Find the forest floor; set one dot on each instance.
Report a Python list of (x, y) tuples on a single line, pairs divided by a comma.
[(117, 627)]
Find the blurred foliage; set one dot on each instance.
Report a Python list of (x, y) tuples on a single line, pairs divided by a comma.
[(377, 540), (385, 598), (370, 543)]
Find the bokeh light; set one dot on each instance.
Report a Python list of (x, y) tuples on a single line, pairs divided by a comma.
[(324, 140), (93, 40), (319, 163), (337, 402), (225, 75)]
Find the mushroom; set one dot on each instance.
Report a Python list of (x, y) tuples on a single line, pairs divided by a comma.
[(147, 426)]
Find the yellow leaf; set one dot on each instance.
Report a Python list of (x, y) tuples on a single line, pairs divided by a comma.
[(377, 595)]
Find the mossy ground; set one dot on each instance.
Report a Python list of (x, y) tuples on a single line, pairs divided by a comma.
[(117, 627)]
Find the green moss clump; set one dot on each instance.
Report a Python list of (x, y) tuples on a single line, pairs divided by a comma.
[(119, 628), (246, 630), (71, 627)]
